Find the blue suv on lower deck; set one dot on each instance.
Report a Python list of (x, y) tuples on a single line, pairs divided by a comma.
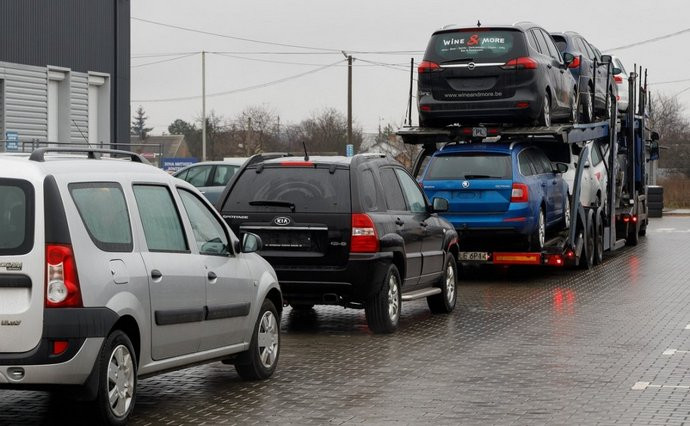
[(501, 195)]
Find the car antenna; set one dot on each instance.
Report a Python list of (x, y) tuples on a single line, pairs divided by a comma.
[(81, 133), (306, 154), (479, 24)]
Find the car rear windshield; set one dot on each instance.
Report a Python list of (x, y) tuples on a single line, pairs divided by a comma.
[(16, 217), (470, 165), (474, 45), (282, 189)]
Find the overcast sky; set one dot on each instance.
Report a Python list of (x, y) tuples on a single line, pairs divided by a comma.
[(380, 92)]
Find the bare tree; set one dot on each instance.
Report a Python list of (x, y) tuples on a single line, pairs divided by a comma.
[(668, 117), (324, 132), (256, 129)]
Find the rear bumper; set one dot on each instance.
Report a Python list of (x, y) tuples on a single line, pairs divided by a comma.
[(356, 282), (518, 218), (83, 328), (502, 110)]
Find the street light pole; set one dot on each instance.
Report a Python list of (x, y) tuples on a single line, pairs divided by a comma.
[(203, 105), (349, 100)]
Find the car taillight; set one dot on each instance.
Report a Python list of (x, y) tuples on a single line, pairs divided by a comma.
[(364, 236), (575, 63), (520, 193), (523, 63), (62, 282), (428, 66), (618, 79)]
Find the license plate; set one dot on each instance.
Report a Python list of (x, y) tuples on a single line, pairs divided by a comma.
[(476, 256), (479, 132), (286, 240)]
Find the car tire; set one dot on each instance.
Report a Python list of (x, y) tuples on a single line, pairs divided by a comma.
[(643, 228), (633, 237), (444, 302), (565, 223), (383, 309), (599, 241), (302, 306), (259, 362), (117, 371), (587, 255), (574, 115), (546, 114), (587, 110), (538, 237)]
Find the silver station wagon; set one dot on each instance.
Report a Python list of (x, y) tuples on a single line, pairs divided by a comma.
[(111, 270)]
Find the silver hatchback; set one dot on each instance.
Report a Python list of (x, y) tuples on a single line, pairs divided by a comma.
[(111, 270)]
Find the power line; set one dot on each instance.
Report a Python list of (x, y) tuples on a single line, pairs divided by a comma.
[(669, 82), (651, 40), (244, 89), (161, 55), (193, 30), (273, 61), (163, 60)]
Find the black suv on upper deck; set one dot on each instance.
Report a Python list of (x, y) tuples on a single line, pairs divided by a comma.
[(497, 74), (356, 232)]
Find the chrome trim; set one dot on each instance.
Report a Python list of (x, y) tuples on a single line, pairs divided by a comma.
[(418, 294), (487, 64), (284, 228)]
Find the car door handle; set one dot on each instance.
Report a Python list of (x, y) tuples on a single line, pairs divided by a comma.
[(562, 71), (212, 276), (423, 224), (399, 221), (554, 182), (549, 66), (156, 274), (543, 185)]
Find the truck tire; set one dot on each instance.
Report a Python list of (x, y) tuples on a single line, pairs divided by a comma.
[(633, 237), (587, 255), (261, 359), (117, 370), (444, 302), (383, 309), (586, 108)]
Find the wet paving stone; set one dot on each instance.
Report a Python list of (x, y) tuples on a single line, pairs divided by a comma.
[(523, 346)]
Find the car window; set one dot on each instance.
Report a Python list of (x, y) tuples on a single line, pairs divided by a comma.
[(619, 64), (525, 164), (590, 52), (368, 193), (103, 210), (160, 219), (553, 50), (536, 161), (475, 45), (222, 175), (182, 175), (16, 217), (470, 165), (546, 165), (198, 176), (308, 189), (208, 232), (532, 41), (596, 155), (561, 43), (415, 199), (394, 195), (541, 42)]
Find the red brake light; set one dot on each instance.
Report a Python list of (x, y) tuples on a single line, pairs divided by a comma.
[(618, 79), (520, 193), (523, 63), (59, 347), (297, 163), (428, 66), (62, 281), (575, 63), (364, 236)]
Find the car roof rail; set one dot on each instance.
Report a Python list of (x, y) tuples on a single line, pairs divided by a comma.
[(260, 158), (91, 153)]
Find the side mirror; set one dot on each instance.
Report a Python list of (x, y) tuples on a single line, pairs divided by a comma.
[(560, 168), (616, 71), (439, 205), (568, 58), (655, 137), (251, 243), (606, 59)]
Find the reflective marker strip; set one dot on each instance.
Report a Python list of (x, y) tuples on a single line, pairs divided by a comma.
[(517, 258)]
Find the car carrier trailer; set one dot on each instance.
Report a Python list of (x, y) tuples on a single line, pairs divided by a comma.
[(593, 229)]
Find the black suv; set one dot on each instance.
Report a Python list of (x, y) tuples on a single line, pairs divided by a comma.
[(356, 232), (498, 74)]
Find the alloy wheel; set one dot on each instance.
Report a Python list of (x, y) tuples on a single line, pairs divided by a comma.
[(547, 111), (566, 212), (393, 299), (450, 284), (268, 339), (542, 230), (120, 380)]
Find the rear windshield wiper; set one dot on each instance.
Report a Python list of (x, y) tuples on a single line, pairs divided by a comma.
[(453, 61), (478, 177), (271, 203)]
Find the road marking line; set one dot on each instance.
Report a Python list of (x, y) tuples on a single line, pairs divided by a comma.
[(674, 351), (645, 385), (687, 327)]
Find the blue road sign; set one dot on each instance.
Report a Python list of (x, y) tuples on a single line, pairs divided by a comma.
[(11, 141), (349, 150)]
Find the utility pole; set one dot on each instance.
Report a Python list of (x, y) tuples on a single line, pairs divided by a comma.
[(349, 98), (203, 105)]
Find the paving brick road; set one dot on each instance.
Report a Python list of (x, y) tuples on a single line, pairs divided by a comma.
[(524, 346)]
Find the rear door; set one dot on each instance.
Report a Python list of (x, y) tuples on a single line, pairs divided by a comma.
[(408, 225), (21, 268), (550, 184), (302, 213), (470, 63), (559, 73), (176, 279), (219, 178), (473, 182), (229, 285)]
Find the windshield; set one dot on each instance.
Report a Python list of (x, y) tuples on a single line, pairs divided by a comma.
[(475, 45), (285, 189), (470, 165)]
